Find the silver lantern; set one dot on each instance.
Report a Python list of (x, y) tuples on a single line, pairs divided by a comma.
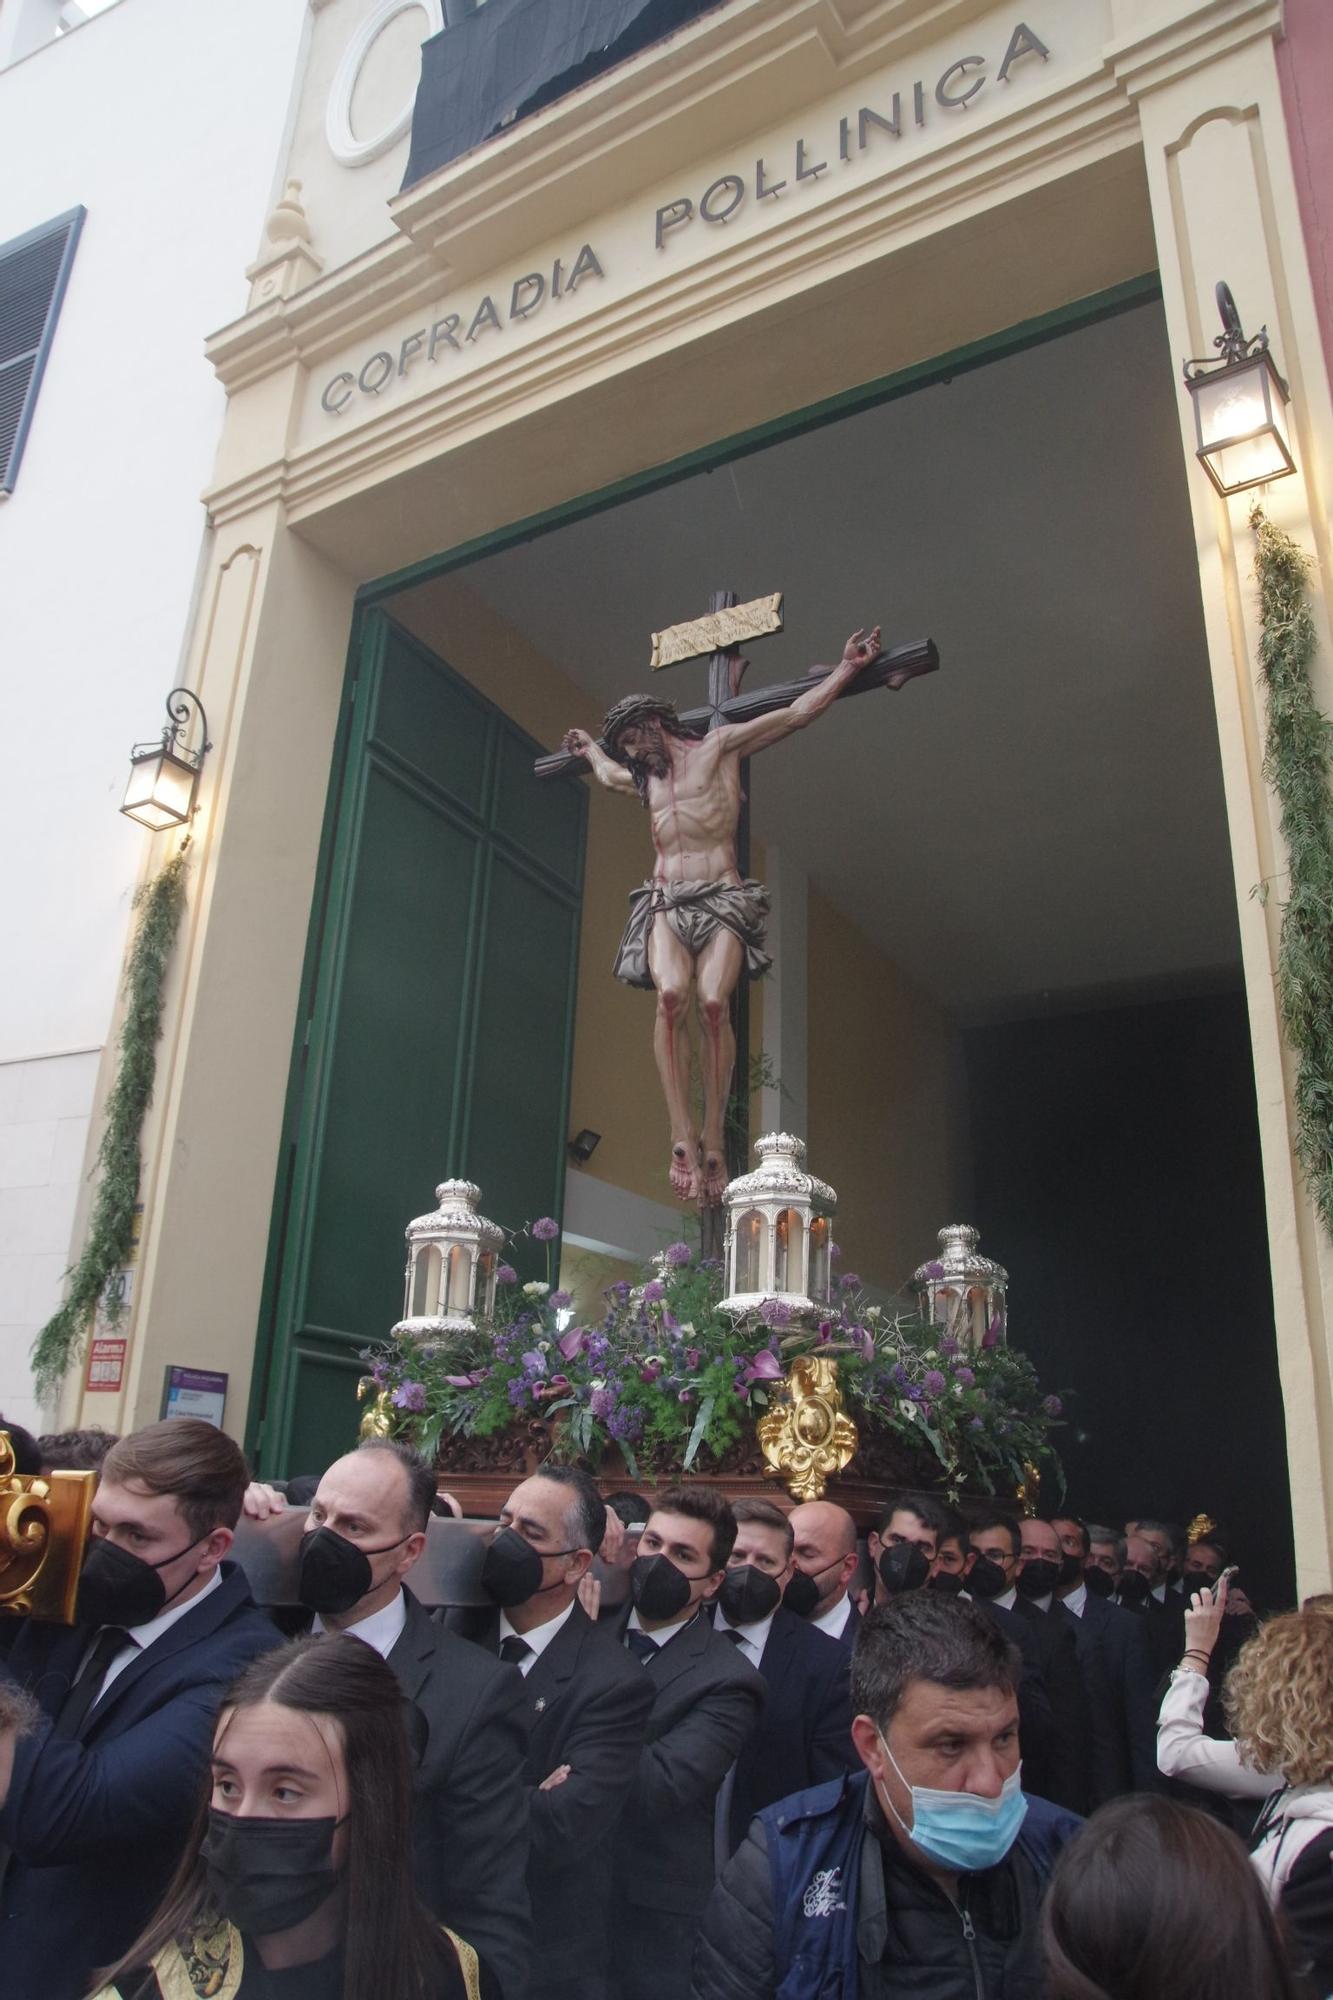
[(779, 1232), (962, 1291), (452, 1259)]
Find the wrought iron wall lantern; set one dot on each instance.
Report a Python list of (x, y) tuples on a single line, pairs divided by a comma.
[(164, 774), (1240, 407)]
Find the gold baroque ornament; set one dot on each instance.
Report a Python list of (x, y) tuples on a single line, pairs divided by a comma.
[(43, 1533), (1200, 1528), (809, 1435), (378, 1419)]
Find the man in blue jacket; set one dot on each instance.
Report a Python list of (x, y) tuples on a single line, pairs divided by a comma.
[(923, 1875), (101, 1793)]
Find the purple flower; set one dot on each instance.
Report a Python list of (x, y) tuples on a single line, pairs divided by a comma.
[(934, 1269), (602, 1402), (685, 1396), (899, 1376), (835, 1251), (506, 1275), (518, 1393), (764, 1368), (693, 1356), (1052, 1406), (534, 1363), (559, 1300), (933, 1382), (949, 1344), (466, 1381), (410, 1396), (773, 1312), (866, 1340), (652, 1368), (964, 1378), (850, 1281), (621, 1289), (976, 1425), (653, 1291), (625, 1425), (545, 1229), (991, 1337), (825, 1331), (678, 1253), (572, 1342)]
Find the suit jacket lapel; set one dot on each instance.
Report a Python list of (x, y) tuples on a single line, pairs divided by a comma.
[(199, 1622), (682, 1653), (556, 1663), (779, 1651), (412, 1654)]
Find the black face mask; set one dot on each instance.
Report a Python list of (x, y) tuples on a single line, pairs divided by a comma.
[(334, 1574), (1099, 1582), (658, 1588), (903, 1567), (117, 1588), (947, 1584), (511, 1572), (986, 1579), (268, 1875), (801, 1594), (1135, 1588), (1037, 1579), (747, 1595), (1071, 1569), (1196, 1579)]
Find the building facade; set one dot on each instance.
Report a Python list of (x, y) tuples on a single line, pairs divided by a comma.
[(777, 220)]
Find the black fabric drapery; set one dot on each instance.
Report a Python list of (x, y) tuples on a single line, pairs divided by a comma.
[(512, 57)]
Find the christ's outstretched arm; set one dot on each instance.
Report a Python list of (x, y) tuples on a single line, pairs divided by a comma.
[(605, 769), (742, 739)]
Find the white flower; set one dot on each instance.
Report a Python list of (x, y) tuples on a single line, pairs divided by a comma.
[(536, 1290), (686, 1326)]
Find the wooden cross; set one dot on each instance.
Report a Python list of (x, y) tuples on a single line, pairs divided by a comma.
[(720, 635)]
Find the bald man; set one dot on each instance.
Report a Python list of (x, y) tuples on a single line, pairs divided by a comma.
[(826, 1552)]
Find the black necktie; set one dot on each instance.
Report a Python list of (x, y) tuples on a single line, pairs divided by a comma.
[(730, 1632), (641, 1645), (110, 1641), (513, 1649)]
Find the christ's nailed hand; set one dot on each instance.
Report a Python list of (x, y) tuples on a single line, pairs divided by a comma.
[(578, 742)]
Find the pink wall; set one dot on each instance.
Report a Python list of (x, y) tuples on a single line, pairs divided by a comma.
[(1305, 66)]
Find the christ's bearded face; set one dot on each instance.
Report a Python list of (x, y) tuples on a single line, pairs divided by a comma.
[(642, 743)]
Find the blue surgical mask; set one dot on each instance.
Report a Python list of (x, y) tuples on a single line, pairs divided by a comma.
[(961, 1831)]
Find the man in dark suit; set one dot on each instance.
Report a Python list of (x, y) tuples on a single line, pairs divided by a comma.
[(826, 1553), (103, 1790), (1061, 1768), (587, 1701), (1143, 1592), (1125, 1748), (706, 1700), (805, 1734), (365, 1530)]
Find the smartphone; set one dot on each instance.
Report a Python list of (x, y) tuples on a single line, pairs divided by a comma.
[(1208, 1591)]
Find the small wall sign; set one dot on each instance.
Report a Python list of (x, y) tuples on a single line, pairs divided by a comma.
[(194, 1392), (106, 1362)]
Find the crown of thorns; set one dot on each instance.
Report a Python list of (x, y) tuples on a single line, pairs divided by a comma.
[(635, 708)]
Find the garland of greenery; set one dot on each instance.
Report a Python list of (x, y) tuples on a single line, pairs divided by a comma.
[(111, 1232), (1296, 763)]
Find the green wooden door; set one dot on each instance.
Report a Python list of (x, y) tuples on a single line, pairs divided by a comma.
[(436, 1035)]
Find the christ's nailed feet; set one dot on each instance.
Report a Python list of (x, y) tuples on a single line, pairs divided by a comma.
[(684, 1174), (714, 1180)]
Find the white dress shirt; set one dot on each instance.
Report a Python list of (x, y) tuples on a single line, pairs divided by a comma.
[(382, 1630), (751, 1639), (140, 1637), (834, 1622), (538, 1639), (664, 1633), (1007, 1599), (1076, 1600)]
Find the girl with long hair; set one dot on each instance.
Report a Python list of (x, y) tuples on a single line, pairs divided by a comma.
[(1278, 1700), (297, 1880), (1155, 1901)]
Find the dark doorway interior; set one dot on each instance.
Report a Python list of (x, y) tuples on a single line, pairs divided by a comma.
[(1116, 1154)]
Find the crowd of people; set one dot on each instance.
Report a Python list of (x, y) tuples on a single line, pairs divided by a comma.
[(687, 1749)]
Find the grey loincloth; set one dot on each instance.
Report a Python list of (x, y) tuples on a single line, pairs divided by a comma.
[(696, 911)]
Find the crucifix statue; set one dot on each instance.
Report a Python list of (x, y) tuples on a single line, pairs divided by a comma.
[(697, 927)]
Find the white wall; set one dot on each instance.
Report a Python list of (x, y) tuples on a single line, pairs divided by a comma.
[(166, 120)]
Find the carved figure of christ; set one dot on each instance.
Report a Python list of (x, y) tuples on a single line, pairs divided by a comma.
[(696, 925)]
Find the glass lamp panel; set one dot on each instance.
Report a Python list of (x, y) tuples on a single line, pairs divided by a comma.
[(416, 1284), (1242, 426), (978, 1304), (486, 1281), (819, 1258), (749, 1251), (460, 1278), (788, 1252), (154, 796)]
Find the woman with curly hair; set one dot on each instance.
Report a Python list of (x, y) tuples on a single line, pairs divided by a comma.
[(297, 1880), (1155, 1901), (1279, 1706)]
